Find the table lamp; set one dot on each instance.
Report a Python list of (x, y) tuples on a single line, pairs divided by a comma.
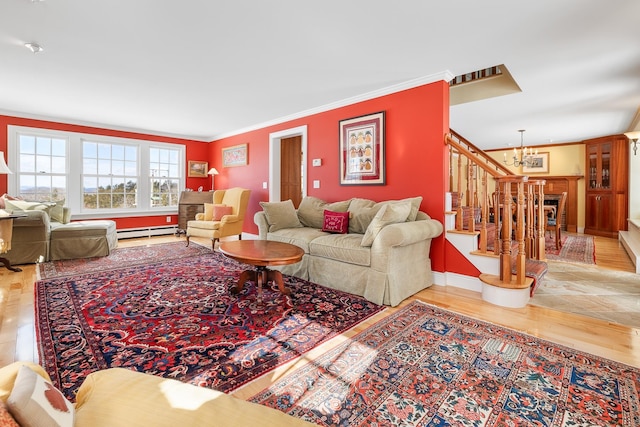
[(213, 172), (6, 227), (4, 169)]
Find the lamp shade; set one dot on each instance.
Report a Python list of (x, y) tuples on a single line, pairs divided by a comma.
[(4, 169), (212, 171)]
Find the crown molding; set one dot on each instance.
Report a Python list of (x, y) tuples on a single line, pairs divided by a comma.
[(446, 75)]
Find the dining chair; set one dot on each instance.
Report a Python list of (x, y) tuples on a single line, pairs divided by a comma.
[(554, 221)]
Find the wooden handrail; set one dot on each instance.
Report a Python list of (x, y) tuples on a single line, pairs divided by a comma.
[(518, 224)]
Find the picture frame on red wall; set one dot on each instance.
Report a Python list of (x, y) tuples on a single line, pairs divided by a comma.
[(362, 150)]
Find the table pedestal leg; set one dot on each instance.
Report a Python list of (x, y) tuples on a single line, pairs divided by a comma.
[(261, 275), (7, 264)]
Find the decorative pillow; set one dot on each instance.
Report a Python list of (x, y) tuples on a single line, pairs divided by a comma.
[(208, 212), (221, 210), (311, 210), (56, 212), (362, 213), (6, 420), (390, 213), (35, 402), (415, 207), (281, 215), (336, 222), (22, 205)]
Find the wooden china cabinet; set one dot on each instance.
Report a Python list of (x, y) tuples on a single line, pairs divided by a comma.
[(607, 185)]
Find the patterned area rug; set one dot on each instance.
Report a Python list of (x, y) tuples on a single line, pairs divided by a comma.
[(424, 366), (177, 319), (120, 257), (575, 248)]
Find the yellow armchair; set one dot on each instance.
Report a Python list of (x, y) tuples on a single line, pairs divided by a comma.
[(228, 225)]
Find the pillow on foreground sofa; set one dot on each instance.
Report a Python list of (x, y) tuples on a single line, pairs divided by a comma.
[(120, 397), (383, 254)]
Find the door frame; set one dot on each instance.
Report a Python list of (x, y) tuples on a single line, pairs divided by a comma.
[(274, 160)]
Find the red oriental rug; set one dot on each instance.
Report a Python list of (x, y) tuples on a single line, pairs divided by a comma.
[(177, 319), (577, 248), (425, 366), (120, 257)]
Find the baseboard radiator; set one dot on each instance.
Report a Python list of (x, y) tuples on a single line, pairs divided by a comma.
[(128, 233)]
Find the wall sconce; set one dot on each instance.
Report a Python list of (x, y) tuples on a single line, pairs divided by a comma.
[(213, 172), (633, 137)]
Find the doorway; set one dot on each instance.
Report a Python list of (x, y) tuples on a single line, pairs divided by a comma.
[(285, 160)]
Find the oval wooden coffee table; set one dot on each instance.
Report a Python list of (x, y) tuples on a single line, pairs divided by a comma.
[(261, 254)]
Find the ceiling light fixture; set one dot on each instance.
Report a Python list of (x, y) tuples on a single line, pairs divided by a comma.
[(34, 47), (633, 137), (524, 154)]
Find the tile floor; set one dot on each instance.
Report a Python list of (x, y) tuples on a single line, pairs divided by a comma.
[(592, 291)]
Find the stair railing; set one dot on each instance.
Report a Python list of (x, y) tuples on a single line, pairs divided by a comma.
[(514, 225)]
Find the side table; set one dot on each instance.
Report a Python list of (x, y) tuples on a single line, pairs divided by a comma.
[(6, 231)]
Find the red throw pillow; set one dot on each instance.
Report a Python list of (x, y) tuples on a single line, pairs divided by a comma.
[(220, 210), (336, 222)]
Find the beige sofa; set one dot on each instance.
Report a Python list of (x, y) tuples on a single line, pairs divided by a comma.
[(36, 238), (383, 257), (120, 397)]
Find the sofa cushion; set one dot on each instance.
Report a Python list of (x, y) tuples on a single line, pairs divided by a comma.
[(34, 401), (390, 213), (121, 397), (341, 247), (310, 211), (336, 222), (300, 237), (280, 215)]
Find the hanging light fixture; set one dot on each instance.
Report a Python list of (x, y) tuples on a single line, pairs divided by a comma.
[(633, 137), (525, 153)]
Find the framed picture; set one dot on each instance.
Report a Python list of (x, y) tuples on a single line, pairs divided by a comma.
[(536, 163), (197, 169), (362, 151), (235, 156)]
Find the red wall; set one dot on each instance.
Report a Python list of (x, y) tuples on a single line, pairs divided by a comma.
[(416, 157), (195, 150)]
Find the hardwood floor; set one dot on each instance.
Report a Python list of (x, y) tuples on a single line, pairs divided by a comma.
[(603, 338)]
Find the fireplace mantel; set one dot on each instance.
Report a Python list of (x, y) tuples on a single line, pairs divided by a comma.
[(556, 185)]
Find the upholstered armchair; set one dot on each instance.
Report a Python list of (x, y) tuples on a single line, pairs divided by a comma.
[(221, 218)]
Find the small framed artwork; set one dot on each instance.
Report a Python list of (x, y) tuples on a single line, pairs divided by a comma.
[(362, 150), (235, 156), (197, 169), (536, 163)]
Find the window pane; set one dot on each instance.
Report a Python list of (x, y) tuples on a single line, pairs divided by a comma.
[(27, 144), (42, 176)]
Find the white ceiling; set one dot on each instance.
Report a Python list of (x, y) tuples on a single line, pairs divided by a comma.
[(206, 68)]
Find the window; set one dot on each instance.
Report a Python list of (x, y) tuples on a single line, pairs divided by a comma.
[(164, 176), (97, 175), (109, 176), (42, 167)]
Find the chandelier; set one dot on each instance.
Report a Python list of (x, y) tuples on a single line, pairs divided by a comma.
[(525, 154)]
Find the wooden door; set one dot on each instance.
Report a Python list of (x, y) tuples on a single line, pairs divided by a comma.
[(291, 169)]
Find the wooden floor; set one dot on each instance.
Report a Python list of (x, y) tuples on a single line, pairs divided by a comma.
[(602, 338)]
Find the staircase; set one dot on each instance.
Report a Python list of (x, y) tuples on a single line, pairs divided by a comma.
[(486, 202), (631, 241)]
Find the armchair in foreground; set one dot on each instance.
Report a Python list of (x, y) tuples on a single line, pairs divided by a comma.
[(223, 217)]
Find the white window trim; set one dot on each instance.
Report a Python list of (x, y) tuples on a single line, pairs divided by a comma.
[(74, 170)]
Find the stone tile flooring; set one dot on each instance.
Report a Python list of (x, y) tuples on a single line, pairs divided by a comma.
[(591, 291)]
